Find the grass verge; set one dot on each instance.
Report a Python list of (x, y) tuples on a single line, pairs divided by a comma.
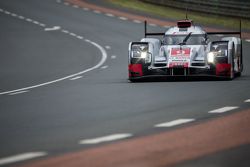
[(176, 14)]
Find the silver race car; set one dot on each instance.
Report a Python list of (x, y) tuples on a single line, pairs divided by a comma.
[(185, 50)]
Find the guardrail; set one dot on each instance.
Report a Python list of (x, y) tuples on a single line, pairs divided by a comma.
[(234, 8)]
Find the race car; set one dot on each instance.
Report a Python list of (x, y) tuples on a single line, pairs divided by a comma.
[(185, 50)]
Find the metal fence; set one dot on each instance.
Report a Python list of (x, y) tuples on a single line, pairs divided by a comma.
[(235, 8)]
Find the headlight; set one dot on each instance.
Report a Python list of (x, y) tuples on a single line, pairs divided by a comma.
[(210, 57), (140, 51), (144, 55)]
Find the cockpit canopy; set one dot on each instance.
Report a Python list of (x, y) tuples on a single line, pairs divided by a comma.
[(195, 39)]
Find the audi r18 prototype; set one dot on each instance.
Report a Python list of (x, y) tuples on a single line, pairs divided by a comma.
[(185, 50)]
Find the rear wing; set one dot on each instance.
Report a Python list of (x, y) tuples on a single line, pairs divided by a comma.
[(151, 34), (209, 33)]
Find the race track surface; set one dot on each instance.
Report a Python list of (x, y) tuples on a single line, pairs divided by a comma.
[(64, 94)]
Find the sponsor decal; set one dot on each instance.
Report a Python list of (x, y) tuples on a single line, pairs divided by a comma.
[(180, 52), (178, 64), (179, 57)]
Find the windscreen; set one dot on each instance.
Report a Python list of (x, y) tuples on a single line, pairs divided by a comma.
[(196, 39)]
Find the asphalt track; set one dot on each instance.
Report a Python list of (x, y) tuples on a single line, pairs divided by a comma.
[(54, 117)]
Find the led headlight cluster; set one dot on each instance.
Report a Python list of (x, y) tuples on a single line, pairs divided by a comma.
[(147, 56), (210, 57), (141, 51), (143, 54)]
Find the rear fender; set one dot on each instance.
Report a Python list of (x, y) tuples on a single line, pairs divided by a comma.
[(237, 42), (223, 60)]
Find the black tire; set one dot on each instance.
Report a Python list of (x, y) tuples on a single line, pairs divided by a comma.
[(232, 73), (132, 80), (241, 66)]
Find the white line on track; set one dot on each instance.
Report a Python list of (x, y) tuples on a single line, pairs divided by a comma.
[(247, 40), (72, 34), (66, 3), (21, 17), (107, 47), (21, 157), (58, 1), (166, 26), (223, 109), (75, 6), (18, 92), (7, 12), (104, 67), (14, 15), (75, 78), (109, 15), (97, 11), (108, 138), (29, 20), (99, 64), (53, 28), (247, 101), (42, 25), (79, 37), (113, 57), (174, 123), (137, 21), (86, 9), (65, 31), (153, 25), (87, 40), (123, 18), (35, 22)]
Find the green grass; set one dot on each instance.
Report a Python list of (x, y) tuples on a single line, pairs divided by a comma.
[(176, 14)]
